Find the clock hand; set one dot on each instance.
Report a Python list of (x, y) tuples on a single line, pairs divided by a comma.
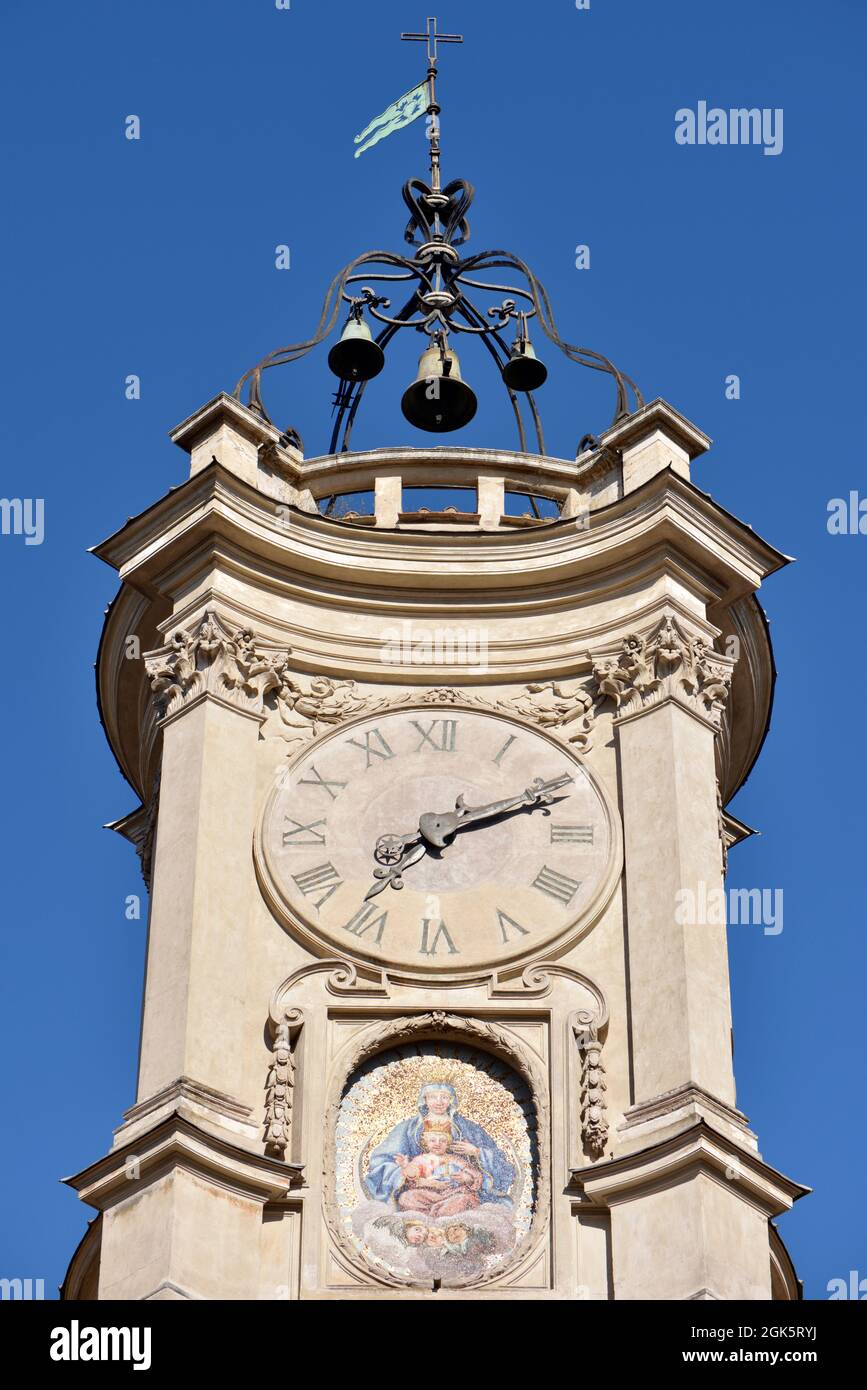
[(394, 874), (439, 828), (399, 852)]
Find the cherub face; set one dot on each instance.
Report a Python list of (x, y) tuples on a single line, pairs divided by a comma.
[(436, 1143), (456, 1235), (436, 1236), (415, 1233)]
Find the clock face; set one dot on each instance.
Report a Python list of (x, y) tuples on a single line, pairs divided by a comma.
[(440, 839)]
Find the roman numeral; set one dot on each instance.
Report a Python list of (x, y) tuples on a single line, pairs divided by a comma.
[(318, 780), (505, 748), (374, 746), (558, 886), (294, 837), (506, 922), (430, 946), (571, 834), (444, 740), (366, 920), (317, 881)]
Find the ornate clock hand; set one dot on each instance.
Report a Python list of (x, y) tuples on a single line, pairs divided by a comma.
[(397, 852), (390, 849), (394, 874), (439, 829)]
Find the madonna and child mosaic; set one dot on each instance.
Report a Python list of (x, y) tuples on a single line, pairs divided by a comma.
[(436, 1162)]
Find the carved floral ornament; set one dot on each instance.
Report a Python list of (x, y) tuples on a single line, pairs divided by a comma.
[(211, 658), (666, 664)]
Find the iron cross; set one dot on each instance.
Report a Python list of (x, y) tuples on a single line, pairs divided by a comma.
[(432, 38)]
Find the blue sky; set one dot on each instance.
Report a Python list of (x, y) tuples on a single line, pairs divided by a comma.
[(156, 257)]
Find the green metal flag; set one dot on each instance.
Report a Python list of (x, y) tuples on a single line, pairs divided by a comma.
[(401, 112)]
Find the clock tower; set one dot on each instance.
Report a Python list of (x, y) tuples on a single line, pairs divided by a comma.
[(432, 808)]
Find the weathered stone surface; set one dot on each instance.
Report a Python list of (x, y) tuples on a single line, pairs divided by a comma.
[(310, 688)]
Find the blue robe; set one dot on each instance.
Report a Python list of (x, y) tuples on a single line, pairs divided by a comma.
[(384, 1177)]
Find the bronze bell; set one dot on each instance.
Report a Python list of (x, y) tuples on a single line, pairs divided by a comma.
[(356, 357), (524, 371), (438, 400)]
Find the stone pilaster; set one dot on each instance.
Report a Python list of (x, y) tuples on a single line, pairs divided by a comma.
[(689, 1218), (669, 691), (210, 684)]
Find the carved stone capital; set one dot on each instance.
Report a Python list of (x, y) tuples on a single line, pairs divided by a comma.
[(212, 659), (665, 664)]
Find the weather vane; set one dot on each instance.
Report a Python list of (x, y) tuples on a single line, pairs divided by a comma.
[(432, 38), (440, 303)]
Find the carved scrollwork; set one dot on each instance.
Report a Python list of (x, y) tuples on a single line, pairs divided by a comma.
[(666, 664), (212, 659), (139, 828), (306, 709), (536, 981), (145, 847), (566, 708)]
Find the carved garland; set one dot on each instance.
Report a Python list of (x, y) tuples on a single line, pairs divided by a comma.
[(424, 1027), (594, 1116), (666, 663), (279, 1088), (306, 711)]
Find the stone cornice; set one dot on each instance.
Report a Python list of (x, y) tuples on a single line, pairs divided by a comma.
[(215, 504), (216, 535), (653, 1120), (699, 1149), (224, 407), (656, 414), (177, 1143)]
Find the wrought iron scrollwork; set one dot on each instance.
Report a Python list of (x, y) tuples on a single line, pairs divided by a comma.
[(442, 301)]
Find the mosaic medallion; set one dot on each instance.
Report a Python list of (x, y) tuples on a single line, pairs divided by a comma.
[(436, 1162)]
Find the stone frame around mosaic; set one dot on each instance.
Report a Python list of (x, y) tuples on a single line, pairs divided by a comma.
[(488, 1035)]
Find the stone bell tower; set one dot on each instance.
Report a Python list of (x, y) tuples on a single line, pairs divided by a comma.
[(422, 796)]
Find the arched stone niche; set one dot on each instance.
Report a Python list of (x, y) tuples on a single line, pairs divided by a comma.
[(437, 1166)]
